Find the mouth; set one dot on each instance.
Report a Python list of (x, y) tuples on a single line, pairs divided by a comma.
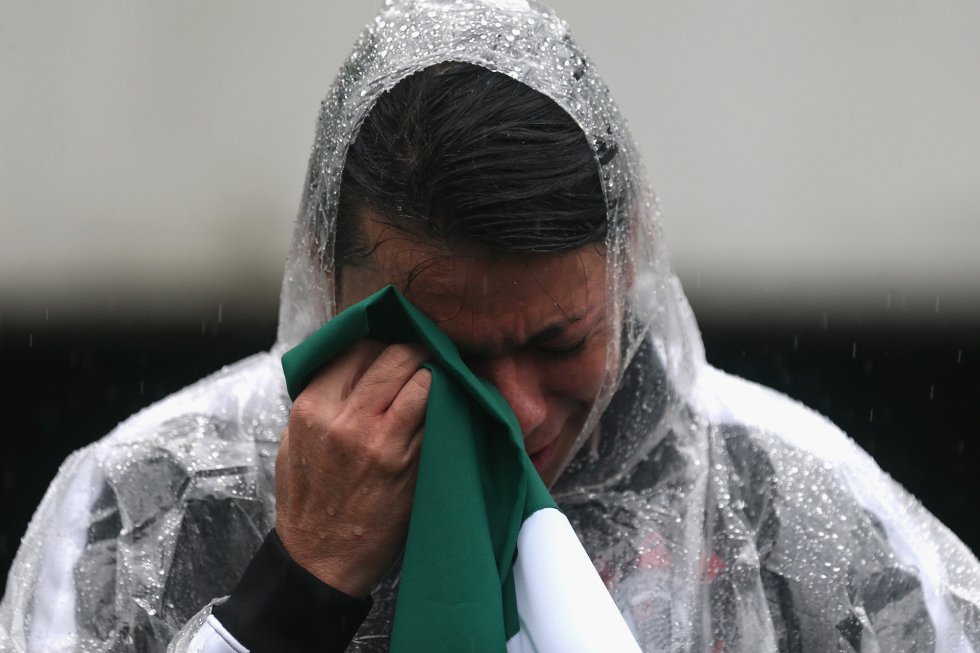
[(543, 456)]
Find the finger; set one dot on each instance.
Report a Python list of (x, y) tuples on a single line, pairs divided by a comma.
[(407, 412), (415, 446), (335, 380), (387, 376), (410, 469)]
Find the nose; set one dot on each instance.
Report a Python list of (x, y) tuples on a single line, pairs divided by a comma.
[(520, 386)]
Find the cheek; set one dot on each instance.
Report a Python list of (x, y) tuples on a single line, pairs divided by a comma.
[(578, 379)]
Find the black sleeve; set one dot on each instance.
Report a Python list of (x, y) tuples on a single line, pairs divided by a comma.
[(279, 606)]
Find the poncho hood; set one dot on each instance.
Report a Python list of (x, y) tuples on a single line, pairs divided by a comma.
[(529, 43)]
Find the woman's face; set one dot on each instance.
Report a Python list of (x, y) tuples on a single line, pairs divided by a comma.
[(533, 325)]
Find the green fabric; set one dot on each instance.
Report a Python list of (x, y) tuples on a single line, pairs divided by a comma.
[(475, 487)]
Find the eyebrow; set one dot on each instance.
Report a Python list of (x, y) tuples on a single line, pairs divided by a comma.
[(544, 335), (554, 330)]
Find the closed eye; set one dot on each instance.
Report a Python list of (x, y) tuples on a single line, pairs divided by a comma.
[(563, 352)]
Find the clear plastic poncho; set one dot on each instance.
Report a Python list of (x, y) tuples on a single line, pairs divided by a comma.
[(722, 516)]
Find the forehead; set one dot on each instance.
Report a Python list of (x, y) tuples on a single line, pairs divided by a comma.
[(565, 284), (493, 302)]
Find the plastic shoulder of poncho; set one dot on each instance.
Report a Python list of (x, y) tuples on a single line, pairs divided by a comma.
[(722, 516), (141, 529)]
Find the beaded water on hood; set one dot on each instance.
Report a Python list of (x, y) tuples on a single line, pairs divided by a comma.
[(529, 43), (526, 43)]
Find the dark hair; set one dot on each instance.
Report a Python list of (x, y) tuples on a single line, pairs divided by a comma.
[(463, 155)]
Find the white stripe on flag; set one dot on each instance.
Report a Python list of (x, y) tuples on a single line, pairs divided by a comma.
[(561, 601)]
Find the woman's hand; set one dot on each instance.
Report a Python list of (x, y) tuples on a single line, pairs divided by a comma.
[(345, 474)]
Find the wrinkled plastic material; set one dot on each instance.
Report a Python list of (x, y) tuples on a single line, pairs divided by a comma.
[(721, 516)]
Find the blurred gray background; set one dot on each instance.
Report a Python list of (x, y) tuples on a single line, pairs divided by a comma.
[(818, 165), (828, 153)]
